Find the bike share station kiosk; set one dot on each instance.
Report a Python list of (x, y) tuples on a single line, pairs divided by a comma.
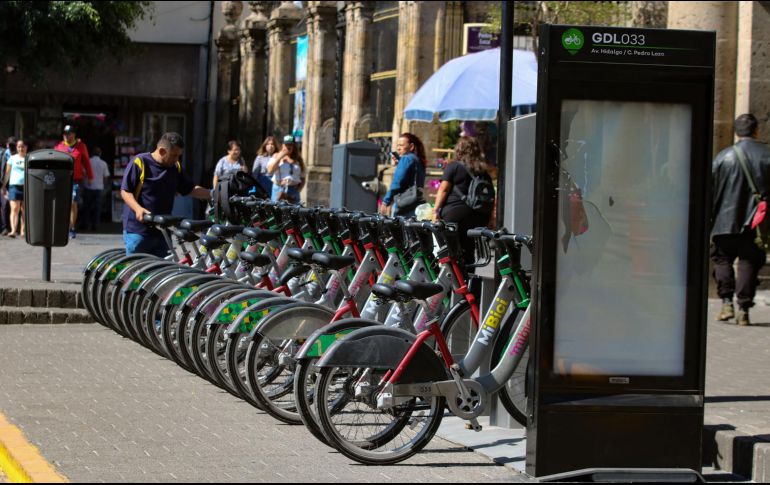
[(621, 204)]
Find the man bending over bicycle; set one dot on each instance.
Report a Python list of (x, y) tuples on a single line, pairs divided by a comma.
[(149, 186)]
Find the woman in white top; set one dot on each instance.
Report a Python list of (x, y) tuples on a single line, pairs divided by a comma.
[(14, 173), (231, 163), (264, 155), (288, 170)]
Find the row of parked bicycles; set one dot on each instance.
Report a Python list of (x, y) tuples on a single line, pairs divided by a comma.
[(365, 329)]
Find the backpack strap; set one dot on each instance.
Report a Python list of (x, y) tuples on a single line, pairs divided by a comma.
[(139, 163), (138, 190)]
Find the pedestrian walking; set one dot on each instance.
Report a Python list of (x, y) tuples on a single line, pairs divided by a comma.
[(92, 195), (14, 170), (406, 189), (149, 186), (5, 206), (264, 155), (466, 195), (82, 170), (288, 171), (230, 163), (733, 211)]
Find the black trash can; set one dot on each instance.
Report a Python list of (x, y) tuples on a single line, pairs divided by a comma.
[(48, 197)]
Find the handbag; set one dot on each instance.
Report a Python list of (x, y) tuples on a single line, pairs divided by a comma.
[(759, 220), (411, 196)]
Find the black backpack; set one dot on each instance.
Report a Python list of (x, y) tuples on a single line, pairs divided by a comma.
[(241, 184), (481, 193)]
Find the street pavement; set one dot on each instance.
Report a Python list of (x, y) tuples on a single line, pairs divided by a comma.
[(102, 408)]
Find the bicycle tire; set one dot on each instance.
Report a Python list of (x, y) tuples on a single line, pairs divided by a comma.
[(126, 293), (514, 394), (279, 404), (113, 293), (199, 329), (372, 452), (170, 319), (216, 342), (156, 298), (238, 344), (88, 274), (184, 317), (140, 303)]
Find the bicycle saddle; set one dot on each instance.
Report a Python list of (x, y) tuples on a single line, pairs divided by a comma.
[(331, 261), (212, 242), (254, 259), (167, 220), (185, 235), (196, 225), (421, 291), (385, 292), (303, 255), (226, 231), (261, 235)]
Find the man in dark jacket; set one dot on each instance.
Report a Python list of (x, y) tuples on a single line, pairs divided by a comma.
[(734, 205)]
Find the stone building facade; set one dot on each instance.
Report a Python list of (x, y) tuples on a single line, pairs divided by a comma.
[(365, 60)]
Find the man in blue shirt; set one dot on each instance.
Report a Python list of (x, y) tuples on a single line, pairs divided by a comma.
[(149, 186)]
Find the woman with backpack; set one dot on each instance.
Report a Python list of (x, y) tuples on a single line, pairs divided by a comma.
[(466, 195), (230, 163), (406, 189)]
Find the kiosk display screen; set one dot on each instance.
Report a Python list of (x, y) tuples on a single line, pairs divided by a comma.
[(622, 238)]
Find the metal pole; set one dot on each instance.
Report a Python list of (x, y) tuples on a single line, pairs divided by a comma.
[(504, 109), (46, 263)]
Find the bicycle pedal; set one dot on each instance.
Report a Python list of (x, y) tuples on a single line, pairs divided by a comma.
[(473, 425)]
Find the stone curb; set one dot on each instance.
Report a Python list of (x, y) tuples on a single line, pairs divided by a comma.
[(41, 298), (43, 315), (737, 452)]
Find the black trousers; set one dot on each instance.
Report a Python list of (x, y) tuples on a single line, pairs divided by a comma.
[(724, 250)]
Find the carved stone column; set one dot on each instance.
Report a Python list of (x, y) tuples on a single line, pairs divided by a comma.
[(227, 57), (280, 63), (417, 34), (723, 18), (253, 78), (753, 82), (318, 135), (356, 65)]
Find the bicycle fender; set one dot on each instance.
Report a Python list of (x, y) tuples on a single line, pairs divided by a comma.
[(292, 271), (294, 321), (229, 310), (318, 343), (249, 318), (384, 348)]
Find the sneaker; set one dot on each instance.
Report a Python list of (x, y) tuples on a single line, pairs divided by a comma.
[(743, 317), (73, 234), (727, 312)]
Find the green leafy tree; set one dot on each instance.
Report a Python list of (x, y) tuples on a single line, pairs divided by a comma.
[(528, 16), (68, 36)]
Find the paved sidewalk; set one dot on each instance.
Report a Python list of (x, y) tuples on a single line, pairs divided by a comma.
[(102, 408), (25, 262), (737, 378)]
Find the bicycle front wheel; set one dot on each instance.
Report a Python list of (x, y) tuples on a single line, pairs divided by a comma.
[(352, 422)]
